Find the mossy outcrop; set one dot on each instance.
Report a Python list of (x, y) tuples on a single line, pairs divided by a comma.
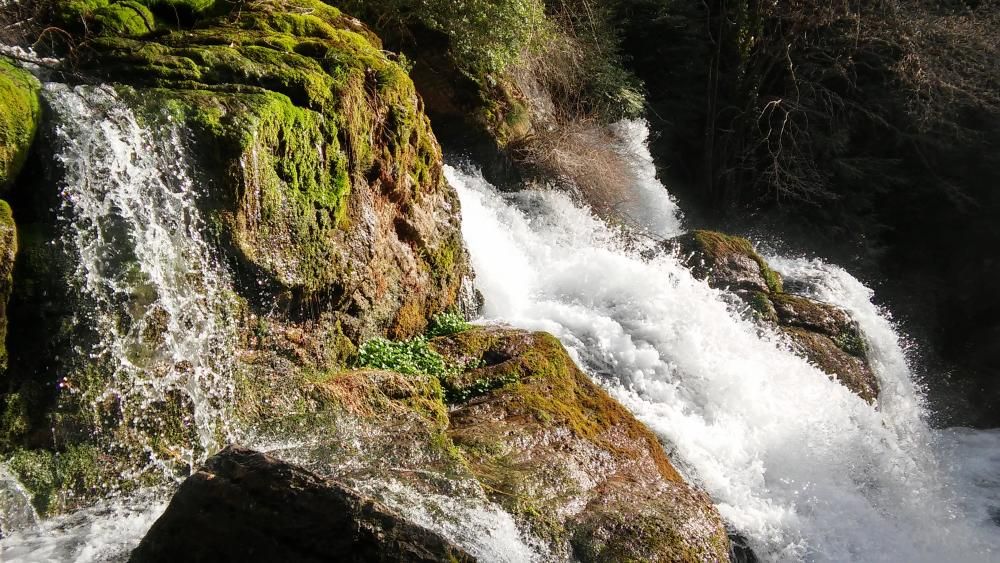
[(321, 187), (8, 250), (823, 333), (20, 114), (567, 459), (514, 422), (325, 178)]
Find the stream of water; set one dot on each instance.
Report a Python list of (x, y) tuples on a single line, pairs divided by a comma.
[(795, 462)]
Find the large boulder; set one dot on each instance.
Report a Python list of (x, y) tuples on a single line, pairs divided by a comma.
[(324, 178), (826, 335), (246, 506), (572, 463)]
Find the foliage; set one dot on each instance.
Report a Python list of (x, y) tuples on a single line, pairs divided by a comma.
[(477, 387), (485, 36), (447, 323), (410, 357)]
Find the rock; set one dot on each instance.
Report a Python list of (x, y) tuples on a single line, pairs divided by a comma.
[(8, 250), (727, 262), (325, 178), (568, 460), (246, 506), (320, 186), (19, 117), (823, 333)]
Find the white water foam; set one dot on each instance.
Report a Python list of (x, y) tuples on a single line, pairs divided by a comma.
[(804, 468), (106, 532), (651, 208), (480, 527), (153, 293)]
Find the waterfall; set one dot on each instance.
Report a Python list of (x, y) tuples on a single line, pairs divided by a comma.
[(794, 461), (151, 290), (151, 287)]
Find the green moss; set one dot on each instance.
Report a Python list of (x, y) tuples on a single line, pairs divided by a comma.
[(295, 103), (20, 113), (716, 245), (58, 481), (8, 251), (105, 17), (761, 305), (124, 18), (852, 342), (14, 419)]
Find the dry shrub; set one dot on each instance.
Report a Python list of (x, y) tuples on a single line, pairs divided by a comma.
[(582, 156)]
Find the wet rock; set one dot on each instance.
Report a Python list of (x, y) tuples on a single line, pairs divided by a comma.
[(727, 262), (566, 459), (325, 179), (246, 506), (8, 250), (823, 333)]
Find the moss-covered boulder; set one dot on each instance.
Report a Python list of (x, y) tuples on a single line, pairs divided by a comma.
[(826, 335), (573, 464), (324, 178), (20, 113), (727, 262), (8, 250)]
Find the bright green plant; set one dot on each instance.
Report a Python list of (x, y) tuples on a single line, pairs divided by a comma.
[(447, 323), (412, 356)]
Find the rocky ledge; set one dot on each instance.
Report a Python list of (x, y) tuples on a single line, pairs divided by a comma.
[(826, 335)]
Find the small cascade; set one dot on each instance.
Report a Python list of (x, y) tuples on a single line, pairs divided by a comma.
[(799, 465), (150, 286)]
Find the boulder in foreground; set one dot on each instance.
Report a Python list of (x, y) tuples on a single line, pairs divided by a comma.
[(246, 506)]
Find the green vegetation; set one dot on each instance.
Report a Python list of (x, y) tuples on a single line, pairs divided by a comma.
[(447, 323), (58, 481), (19, 117), (8, 250), (411, 356)]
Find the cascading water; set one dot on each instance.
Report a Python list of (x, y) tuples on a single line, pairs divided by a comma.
[(153, 289), (796, 462)]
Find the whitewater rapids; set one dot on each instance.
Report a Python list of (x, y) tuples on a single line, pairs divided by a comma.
[(794, 461)]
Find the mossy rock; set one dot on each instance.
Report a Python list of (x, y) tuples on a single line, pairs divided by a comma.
[(8, 250), (105, 17), (326, 180), (20, 114), (820, 332), (726, 261), (548, 441)]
